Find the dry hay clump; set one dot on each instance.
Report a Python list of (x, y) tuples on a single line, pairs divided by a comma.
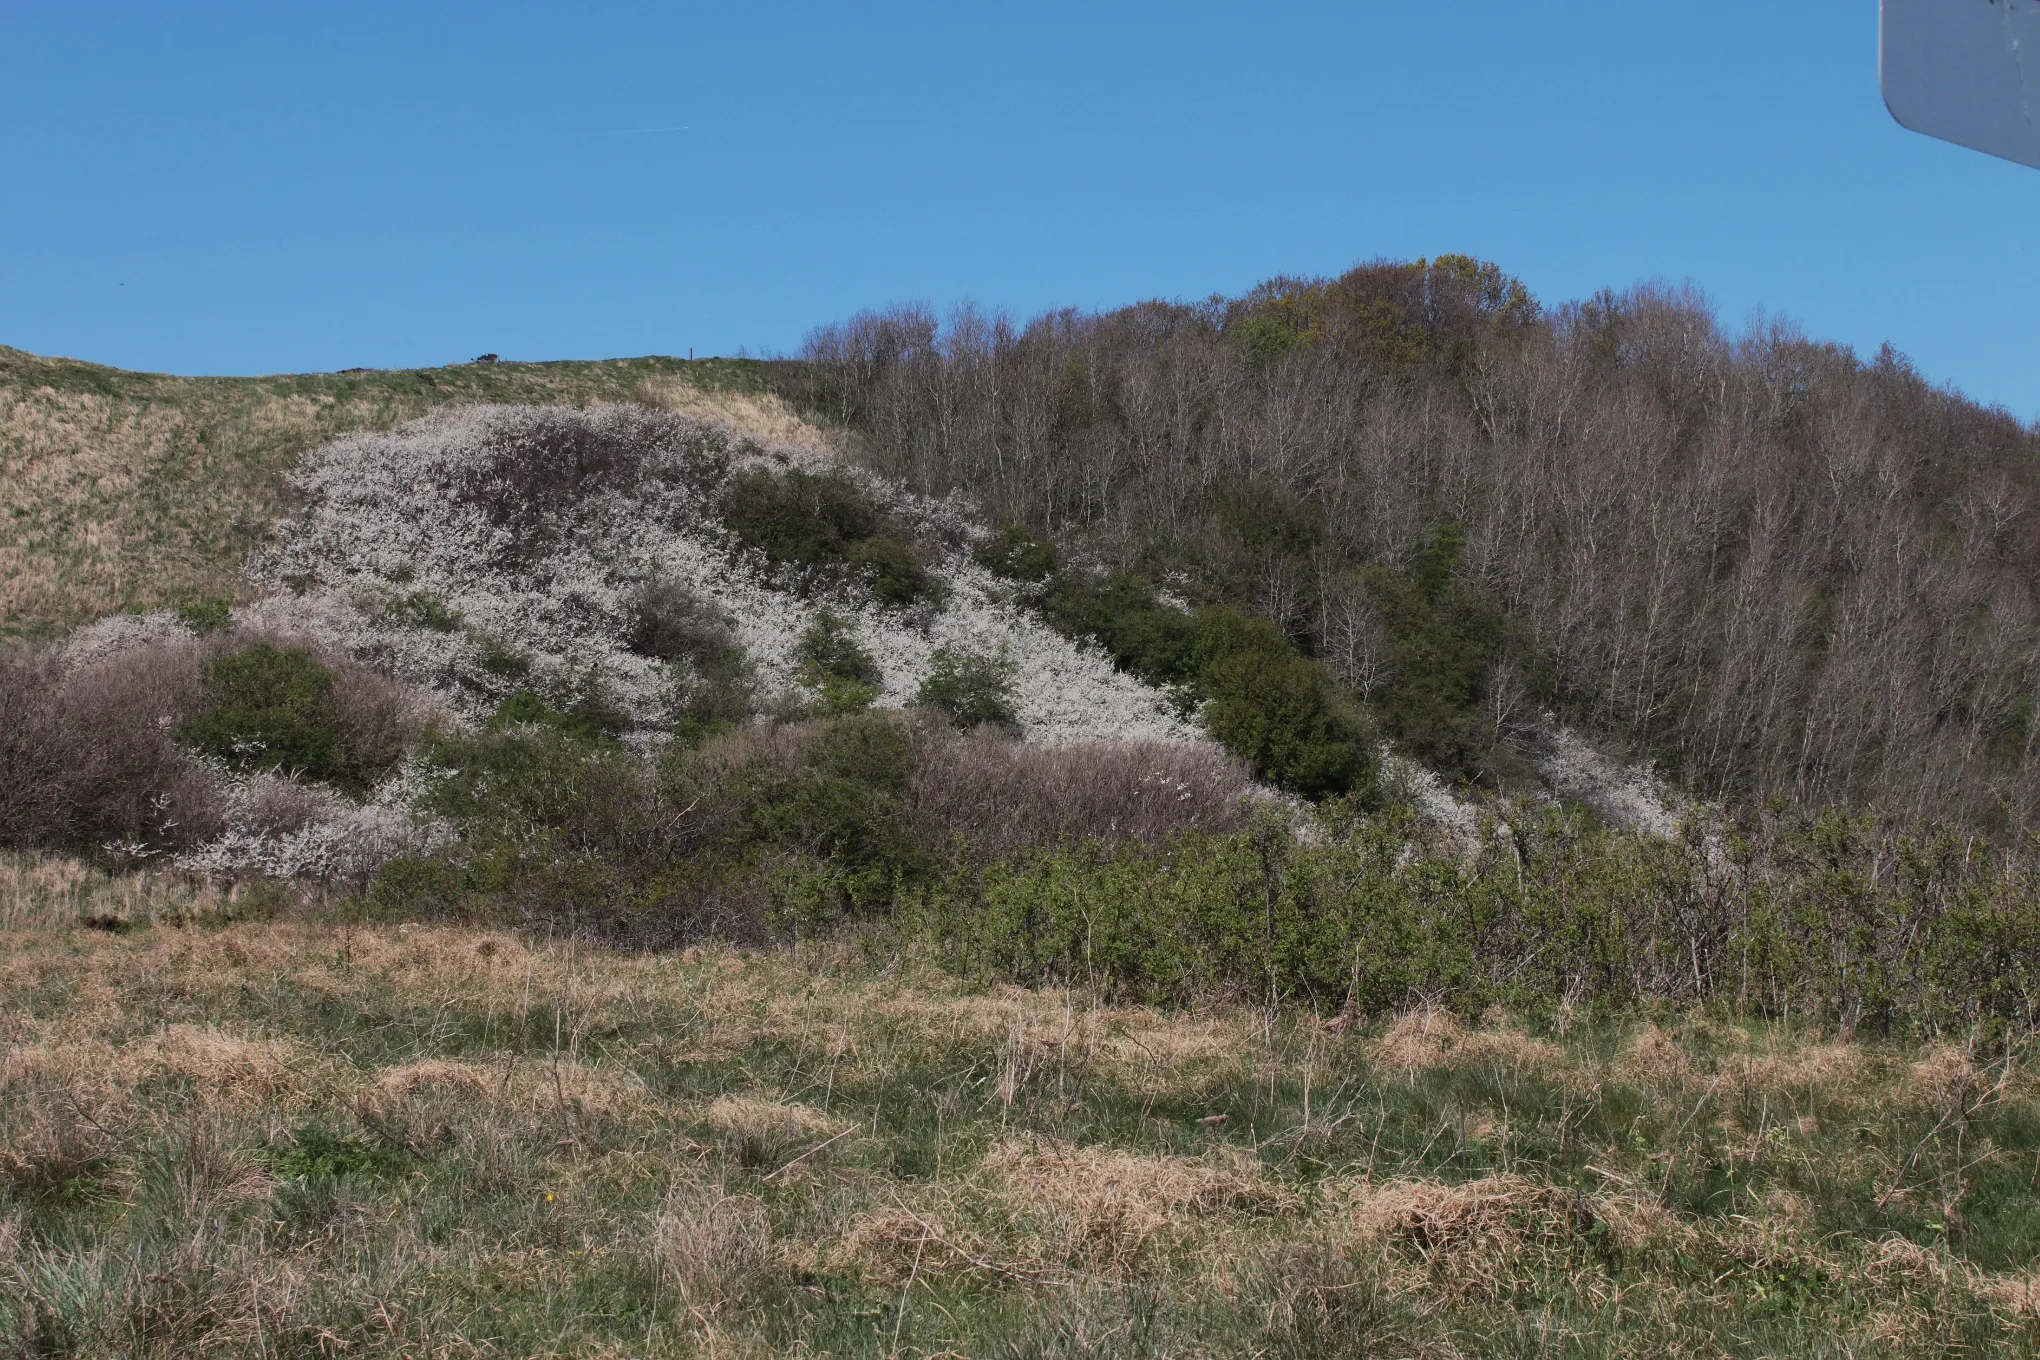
[(1655, 1057), (712, 1246), (1830, 1069), (2016, 1294), (219, 1066), (1469, 1236), (1103, 1207), (530, 1086), (1421, 1040), (1946, 1079), (888, 1247), (769, 1130)]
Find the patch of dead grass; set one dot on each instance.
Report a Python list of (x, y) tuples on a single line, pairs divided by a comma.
[(1422, 1040), (1102, 1206)]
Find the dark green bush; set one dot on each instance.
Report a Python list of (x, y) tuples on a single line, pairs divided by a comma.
[(589, 718), (844, 676), (1017, 555), (891, 573), (800, 518), (972, 688), (424, 609), (1123, 615), (270, 709), (500, 659), (1263, 700), (1791, 920), (207, 615), (669, 622), (1284, 717), (1444, 636)]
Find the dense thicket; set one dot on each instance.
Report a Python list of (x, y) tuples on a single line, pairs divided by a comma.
[(1778, 569)]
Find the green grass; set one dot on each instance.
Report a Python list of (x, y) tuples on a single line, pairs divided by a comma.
[(303, 1136), (138, 490)]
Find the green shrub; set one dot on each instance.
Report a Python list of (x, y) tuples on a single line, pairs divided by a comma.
[(891, 573), (423, 609), (1283, 716), (844, 676), (1017, 555), (269, 709), (1444, 636), (799, 518), (1141, 634), (973, 688), (207, 615), (590, 718), (500, 659)]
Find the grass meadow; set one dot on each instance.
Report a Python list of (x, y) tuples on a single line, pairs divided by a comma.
[(246, 1123)]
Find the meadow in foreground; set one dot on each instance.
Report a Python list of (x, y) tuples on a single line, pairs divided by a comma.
[(240, 1124)]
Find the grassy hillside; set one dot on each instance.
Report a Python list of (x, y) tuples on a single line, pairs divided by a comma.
[(133, 490), (223, 1134)]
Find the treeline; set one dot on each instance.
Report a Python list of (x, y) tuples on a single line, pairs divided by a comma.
[(1777, 569)]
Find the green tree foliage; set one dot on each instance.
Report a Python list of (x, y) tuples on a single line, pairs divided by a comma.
[(843, 674), (890, 571), (1444, 636), (821, 522), (1262, 699), (590, 717), (1277, 709), (800, 518), (1018, 555), (972, 688), (272, 709)]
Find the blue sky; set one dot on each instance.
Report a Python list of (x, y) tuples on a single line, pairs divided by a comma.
[(273, 188)]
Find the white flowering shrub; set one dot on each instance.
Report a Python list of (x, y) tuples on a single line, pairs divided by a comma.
[(543, 529)]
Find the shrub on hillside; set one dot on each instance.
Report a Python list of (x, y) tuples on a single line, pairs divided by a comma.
[(1018, 555), (891, 572), (983, 796), (972, 688), (87, 756), (588, 718), (1444, 638), (1153, 640), (423, 609), (803, 519), (843, 675), (669, 622)]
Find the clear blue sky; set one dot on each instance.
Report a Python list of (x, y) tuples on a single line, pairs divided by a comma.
[(244, 188)]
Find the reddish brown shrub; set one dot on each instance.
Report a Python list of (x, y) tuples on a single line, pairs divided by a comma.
[(990, 795)]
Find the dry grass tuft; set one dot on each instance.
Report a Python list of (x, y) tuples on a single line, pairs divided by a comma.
[(1103, 1206), (2017, 1294), (1832, 1070), (48, 1152), (1469, 1237), (1901, 1262), (768, 1130), (1655, 1057), (1946, 1078), (711, 1245), (892, 1245), (1421, 1040), (435, 1077)]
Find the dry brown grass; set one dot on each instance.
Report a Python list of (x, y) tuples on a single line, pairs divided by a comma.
[(710, 1245), (1102, 1207), (1421, 1040)]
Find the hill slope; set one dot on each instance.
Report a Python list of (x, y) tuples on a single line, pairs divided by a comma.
[(127, 490)]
